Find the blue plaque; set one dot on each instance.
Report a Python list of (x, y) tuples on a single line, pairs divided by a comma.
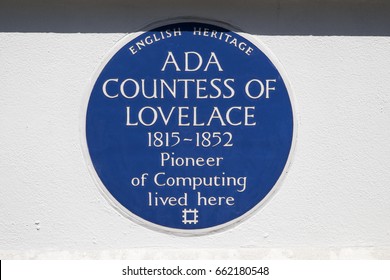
[(189, 126)]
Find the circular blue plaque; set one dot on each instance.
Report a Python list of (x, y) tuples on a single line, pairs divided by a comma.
[(189, 126)]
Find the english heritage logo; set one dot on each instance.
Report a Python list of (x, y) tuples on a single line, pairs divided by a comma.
[(189, 126)]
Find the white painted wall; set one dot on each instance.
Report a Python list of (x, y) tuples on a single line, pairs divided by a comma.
[(335, 201)]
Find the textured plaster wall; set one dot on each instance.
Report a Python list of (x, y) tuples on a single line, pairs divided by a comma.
[(335, 201)]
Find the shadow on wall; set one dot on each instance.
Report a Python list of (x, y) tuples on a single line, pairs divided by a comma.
[(263, 17)]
